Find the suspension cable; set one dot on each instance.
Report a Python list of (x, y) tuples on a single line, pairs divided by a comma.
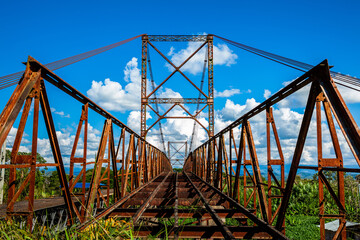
[(12, 79), (156, 104), (301, 66)]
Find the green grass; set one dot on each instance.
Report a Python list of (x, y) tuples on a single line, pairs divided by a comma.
[(297, 227), (302, 227), (102, 230)]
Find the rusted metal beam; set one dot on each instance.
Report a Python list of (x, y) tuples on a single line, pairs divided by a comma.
[(262, 224), (177, 100), (114, 206), (340, 110), (145, 97), (176, 207), (96, 177), (17, 99), (52, 78), (227, 234), (314, 92), (81, 160), (177, 38), (238, 164), (49, 123), (203, 232), (177, 69), (171, 212), (291, 88), (143, 207)]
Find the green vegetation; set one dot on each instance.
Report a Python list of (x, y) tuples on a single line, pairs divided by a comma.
[(302, 227), (43, 183), (305, 197), (47, 184), (103, 229), (302, 214)]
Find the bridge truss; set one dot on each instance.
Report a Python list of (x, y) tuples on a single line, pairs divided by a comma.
[(206, 99), (214, 157), (177, 152), (210, 189)]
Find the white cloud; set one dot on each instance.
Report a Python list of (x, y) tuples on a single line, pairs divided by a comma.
[(113, 96), (288, 124), (297, 99), (168, 93), (267, 94), (233, 111), (65, 140), (133, 120), (227, 92), (349, 95), (223, 55), (60, 113)]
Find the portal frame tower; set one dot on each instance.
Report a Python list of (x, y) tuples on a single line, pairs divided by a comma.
[(207, 100)]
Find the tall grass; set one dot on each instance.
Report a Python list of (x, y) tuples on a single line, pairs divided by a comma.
[(102, 230)]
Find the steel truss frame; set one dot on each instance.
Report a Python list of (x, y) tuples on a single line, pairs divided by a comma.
[(140, 161), (177, 149), (208, 99), (213, 167)]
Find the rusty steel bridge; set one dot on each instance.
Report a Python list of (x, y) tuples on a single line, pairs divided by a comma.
[(215, 174)]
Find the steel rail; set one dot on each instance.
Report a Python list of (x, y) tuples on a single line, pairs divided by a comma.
[(176, 210), (267, 227), (203, 232), (170, 212), (109, 210), (143, 207), (223, 228)]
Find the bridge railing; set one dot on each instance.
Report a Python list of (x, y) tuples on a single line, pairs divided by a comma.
[(132, 159), (213, 161)]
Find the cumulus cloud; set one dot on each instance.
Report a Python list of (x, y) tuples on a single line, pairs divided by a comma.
[(349, 95), (227, 93), (267, 94), (299, 98), (168, 93), (233, 111), (113, 96), (133, 120), (65, 140), (288, 121), (223, 55)]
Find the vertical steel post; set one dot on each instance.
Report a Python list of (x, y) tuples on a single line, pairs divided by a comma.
[(49, 123), (73, 160), (270, 123), (37, 90), (96, 178), (329, 162), (2, 172), (314, 91), (210, 98), (144, 98)]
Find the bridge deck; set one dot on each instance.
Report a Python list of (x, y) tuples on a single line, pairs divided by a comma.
[(188, 208), (42, 204)]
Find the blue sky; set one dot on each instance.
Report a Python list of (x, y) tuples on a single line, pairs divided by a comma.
[(308, 31)]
